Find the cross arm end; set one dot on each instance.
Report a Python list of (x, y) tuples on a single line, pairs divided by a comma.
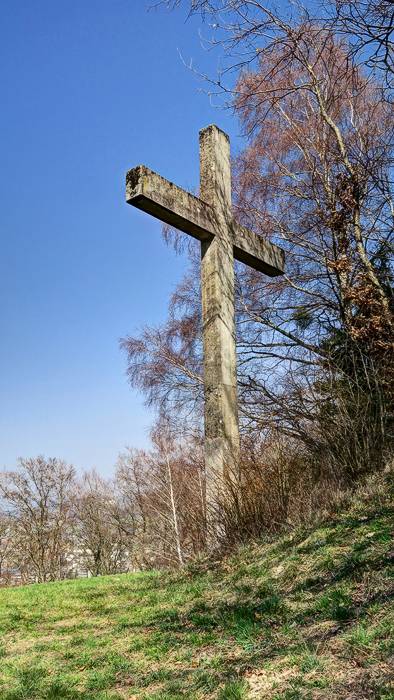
[(256, 252), (154, 194)]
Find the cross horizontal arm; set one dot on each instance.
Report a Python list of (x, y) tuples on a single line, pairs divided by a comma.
[(154, 194), (256, 252)]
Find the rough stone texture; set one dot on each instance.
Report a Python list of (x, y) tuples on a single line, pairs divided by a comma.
[(251, 249), (150, 192), (217, 288), (209, 219)]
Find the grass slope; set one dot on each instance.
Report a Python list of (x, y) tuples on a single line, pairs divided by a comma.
[(307, 616)]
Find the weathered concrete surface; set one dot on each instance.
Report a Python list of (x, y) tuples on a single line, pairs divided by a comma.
[(209, 219), (154, 194), (252, 250), (148, 191), (217, 288)]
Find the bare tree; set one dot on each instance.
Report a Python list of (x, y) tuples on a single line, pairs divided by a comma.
[(369, 27), (240, 27), (6, 548), (37, 501), (102, 541), (312, 176), (165, 491), (130, 482)]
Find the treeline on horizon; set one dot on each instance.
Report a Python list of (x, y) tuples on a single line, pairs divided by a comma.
[(314, 99)]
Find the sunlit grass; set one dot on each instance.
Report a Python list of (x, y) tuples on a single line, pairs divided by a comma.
[(286, 620)]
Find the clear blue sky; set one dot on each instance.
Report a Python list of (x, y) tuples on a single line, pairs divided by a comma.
[(89, 88)]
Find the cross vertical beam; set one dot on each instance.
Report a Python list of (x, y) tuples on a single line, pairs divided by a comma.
[(209, 219), (217, 289)]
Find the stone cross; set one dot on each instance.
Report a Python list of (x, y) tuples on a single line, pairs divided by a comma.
[(209, 218)]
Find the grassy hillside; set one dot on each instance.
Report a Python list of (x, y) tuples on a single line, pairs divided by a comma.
[(307, 616)]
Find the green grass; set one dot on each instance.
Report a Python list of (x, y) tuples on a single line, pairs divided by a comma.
[(307, 616)]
